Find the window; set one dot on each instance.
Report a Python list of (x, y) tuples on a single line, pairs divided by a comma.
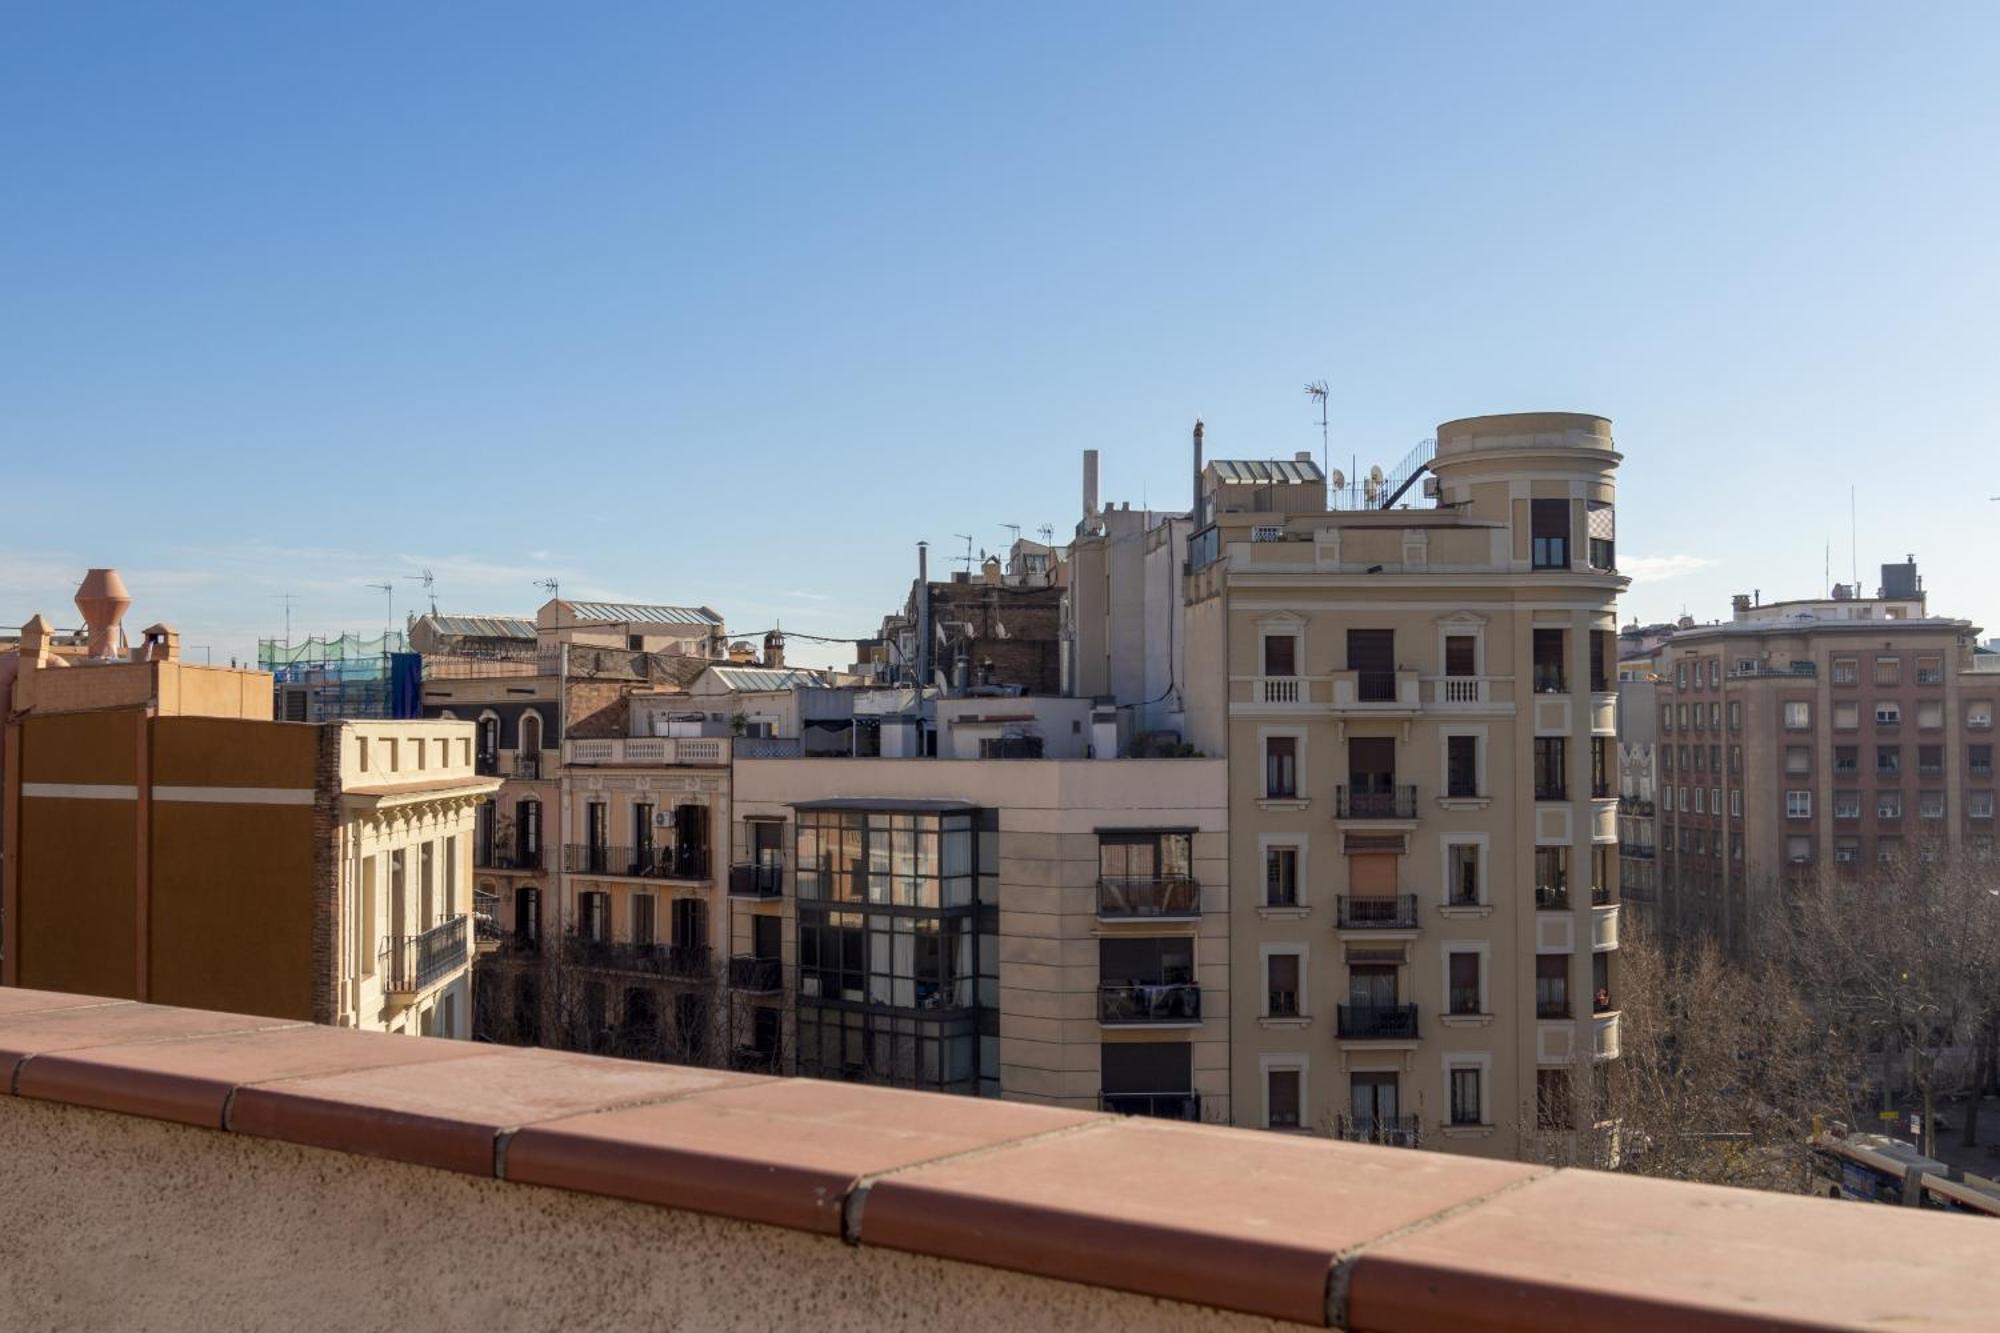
[(1601, 655), (1715, 717), (1735, 759), (1281, 877), (1889, 805), (1281, 767), (1846, 716), (1930, 805), (1715, 673), (1798, 715), (1681, 715), (1847, 805), (1460, 655), (1846, 760), (1681, 679), (1552, 877), (1466, 1105), (1463, 973), (1979, 805), (1281, 1098), (1888, 714), (1549, 522), (1600, 767), (1979, 759), (1371, 656), (1282, 975), (1798, 849), (1798, 759), (1846, 850), (1930, 714), (1715, 800), (1735, 715), (1666, 758), (1552, 1099), (1461, 766), (1736, 802), (1463, 867), (1889, 850), (1979, 715), (1551, 985), (1846, 671), (1930, 671), (1888, 760), (1551, 647), (1600, 524), (1798, 805), (1281, 655), (1888, 670), (1930, 761), (1551, 783), (1700, 801)]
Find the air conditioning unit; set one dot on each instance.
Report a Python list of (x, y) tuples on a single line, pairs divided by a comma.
[(663, 819)]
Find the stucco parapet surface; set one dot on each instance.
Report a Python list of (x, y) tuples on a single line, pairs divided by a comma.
[(1211, 1224)]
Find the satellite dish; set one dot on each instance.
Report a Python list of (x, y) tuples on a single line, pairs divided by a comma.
[(1375, 476), (1339, 479)]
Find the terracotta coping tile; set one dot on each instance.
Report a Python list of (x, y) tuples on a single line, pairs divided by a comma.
[(1232, 1218), (448, 1115), (784, 1151), (24, 1036), (20, 1000), (191, 1081), (1592, 1250)]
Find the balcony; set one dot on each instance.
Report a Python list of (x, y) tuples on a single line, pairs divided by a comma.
[(1460, 691), (412, 964), (507, 858), (1393, 912), (1395, 1131), (1364, 1022), (527, 765), (1377, 693), (637, 862), (1144, 1004), (1148, 898), (688, 962), (649, 751), (756, 974), (1395, 804), (486, 764), (1551, 898), (1157, 1105), (768, 747), (1775, 671), (761, 879)]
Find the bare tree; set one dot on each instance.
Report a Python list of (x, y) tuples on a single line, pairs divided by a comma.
[(1721, 1071), (1902, 960)]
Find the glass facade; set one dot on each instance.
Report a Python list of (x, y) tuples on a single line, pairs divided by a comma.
[(898, 952)]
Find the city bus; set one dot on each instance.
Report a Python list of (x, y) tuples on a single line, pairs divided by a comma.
[(1874, 1168)]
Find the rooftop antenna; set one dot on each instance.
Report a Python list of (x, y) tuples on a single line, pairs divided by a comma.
[(390, 590), (429, 580), (1014, 528), (1318, 390), (1853, 541), (287, 598), (1048, 530), (549, 586), (968, 550)]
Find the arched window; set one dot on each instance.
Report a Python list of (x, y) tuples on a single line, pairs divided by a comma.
[(531, 733)]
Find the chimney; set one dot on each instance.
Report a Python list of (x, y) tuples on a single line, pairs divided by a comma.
[(1303, 456), (103, 600), (1196, 511), (923, 614), (774, 649), (1089, 484), (160, 643), (1740, 604)]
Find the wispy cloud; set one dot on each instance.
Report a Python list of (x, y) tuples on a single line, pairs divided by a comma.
[(1659, 568)]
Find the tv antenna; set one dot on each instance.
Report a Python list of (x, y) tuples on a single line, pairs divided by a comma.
[(550, 586), (389, 590), (287, 598), (429, 580), (968, 550), (1317, 390), (1048, 530)]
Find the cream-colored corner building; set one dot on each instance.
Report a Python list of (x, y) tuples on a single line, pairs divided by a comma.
[(1049, 930), (1418, 704)]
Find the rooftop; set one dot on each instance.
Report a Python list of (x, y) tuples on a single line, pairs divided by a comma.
[(482, 627), (256, 1163), (766, 678), (633, 613)]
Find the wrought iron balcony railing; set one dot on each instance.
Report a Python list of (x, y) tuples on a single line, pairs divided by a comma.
[(1147, 1002), (644, 862), (759, 879), (1397, 1131), (1159, 1105), (1391, 912), (414, 963), (748, 973), (1393, 803), (1378, 1020)]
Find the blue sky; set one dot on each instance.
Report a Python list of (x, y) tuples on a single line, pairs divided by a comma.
[(733, 305)]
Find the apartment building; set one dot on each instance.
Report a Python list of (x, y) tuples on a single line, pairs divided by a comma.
[(1048, 930), (1835, 732), (1413, 684), (166, 840), (1639, 798)]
